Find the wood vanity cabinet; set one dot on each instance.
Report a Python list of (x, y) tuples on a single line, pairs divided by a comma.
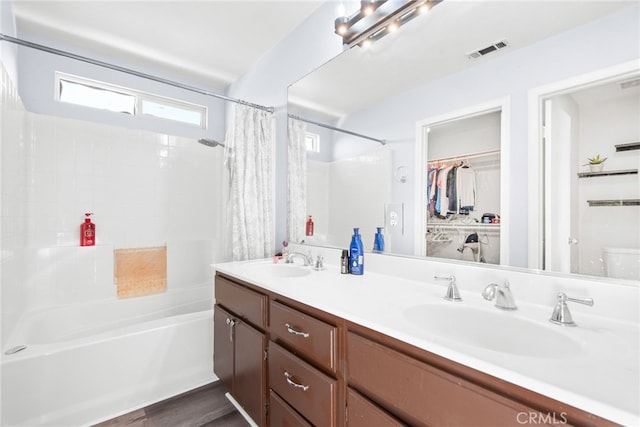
[(289, 364), (240, 343)]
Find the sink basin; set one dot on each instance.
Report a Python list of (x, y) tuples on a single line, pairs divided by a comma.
[(279, 270), (495, 331)]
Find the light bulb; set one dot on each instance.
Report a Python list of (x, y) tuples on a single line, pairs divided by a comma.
[(366, 43), (393, 26), (424, 8)]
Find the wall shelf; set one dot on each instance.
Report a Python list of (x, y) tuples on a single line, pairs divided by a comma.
[(608, 173), (618, 202), (464, 226), (628, 147)]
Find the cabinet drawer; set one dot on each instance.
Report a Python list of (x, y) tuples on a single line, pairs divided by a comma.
[(306, 389), (243, 302), (363, 413), (281, 414), (420, 393), (306, 335)]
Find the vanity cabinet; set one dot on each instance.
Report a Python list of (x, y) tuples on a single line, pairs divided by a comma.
[(289, 364), (240, 345)]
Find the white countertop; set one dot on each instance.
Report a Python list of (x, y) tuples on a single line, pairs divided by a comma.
[(603, 379)]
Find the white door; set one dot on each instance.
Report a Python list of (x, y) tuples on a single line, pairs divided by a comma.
[(560, 185)]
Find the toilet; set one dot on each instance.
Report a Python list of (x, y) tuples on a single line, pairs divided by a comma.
[(621, 263)]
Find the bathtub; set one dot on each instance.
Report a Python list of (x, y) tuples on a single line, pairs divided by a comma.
[(90, 362)]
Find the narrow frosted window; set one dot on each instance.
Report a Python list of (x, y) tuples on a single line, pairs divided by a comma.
[(96, 97), (164, 110), (312, 141)]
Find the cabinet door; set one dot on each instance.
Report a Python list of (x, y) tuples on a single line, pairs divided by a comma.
[(249, 385), (222, 347)]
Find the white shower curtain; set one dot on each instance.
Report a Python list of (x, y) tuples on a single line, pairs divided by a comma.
[(248, 158), (297, 188)]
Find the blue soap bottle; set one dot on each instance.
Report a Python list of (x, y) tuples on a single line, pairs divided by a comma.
[(356, 254), (378, 241)]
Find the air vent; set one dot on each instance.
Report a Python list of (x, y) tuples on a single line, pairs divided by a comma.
[(485, 50)]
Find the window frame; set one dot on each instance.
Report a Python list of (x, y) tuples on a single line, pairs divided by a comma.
[(140, 98)]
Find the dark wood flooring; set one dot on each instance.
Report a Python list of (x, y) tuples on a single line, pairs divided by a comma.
[(205, 406)]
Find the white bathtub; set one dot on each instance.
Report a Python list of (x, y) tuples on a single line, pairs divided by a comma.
[(87, 363)]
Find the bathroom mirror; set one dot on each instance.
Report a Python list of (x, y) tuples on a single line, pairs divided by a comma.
[(435, 91)]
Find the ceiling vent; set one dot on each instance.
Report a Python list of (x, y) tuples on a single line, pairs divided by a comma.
[(485, 50)]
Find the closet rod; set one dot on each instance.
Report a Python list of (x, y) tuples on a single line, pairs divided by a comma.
[(379, 141), (81, 58), (467, 156)]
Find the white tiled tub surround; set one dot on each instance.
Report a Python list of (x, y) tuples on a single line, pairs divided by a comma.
[(604, 379), (145, 189)]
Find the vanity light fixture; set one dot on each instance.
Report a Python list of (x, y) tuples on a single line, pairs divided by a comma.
[(377, 18)]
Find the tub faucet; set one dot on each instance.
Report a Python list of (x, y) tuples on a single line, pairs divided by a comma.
[(307, 259), (502, 294), (453, 294)]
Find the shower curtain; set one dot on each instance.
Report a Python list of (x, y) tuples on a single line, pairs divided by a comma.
[(297, 188), (248, 158)]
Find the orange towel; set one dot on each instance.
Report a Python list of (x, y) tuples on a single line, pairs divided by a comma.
[(141, 271)]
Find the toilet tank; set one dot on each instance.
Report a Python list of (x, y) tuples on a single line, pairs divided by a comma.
[(621, 263)]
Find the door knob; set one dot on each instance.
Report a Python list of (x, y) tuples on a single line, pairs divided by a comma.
[(573, 241)]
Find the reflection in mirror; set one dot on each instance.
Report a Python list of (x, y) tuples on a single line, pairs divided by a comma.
[(424, 70), (591, 212), (463, 189)]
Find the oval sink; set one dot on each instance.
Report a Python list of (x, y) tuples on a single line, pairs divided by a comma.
[(499, 331), (279, 270)]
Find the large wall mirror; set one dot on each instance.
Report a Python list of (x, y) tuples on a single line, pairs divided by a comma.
[(382, 122)]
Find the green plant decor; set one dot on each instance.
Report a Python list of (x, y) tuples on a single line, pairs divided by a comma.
[(595, 160)]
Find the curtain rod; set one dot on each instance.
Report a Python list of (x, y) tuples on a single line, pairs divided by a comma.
[(379, 141), (128, 71)]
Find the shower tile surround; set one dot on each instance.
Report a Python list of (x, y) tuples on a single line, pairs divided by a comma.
[(145, 189)]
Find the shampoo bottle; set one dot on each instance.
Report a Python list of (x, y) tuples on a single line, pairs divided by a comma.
[(356, 254), (378, 241), (87, 231), (309, 227)]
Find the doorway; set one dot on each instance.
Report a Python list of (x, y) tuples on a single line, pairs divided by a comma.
[(586, 213)]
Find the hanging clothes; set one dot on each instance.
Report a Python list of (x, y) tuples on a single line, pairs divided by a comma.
[(466, 189)]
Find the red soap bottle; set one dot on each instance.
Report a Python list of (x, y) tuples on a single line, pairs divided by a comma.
[(310, 226), (87, 231)]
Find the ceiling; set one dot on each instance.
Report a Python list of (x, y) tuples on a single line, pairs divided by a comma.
[(213, 41), (435, 45)]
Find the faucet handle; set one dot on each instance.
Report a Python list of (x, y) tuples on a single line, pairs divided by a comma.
[(319, 263), (561, 314), (453, 294)]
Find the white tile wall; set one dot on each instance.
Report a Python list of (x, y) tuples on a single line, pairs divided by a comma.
[(145, 189)]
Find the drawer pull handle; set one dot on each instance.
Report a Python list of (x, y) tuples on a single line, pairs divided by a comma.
[(297, 333), (294, 384)]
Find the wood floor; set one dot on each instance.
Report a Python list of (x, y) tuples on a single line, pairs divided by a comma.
[(205, 406)]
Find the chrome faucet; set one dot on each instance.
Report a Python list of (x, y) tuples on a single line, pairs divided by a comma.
[(502, 294), (307, 259), (453, 294), (561, 314)]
